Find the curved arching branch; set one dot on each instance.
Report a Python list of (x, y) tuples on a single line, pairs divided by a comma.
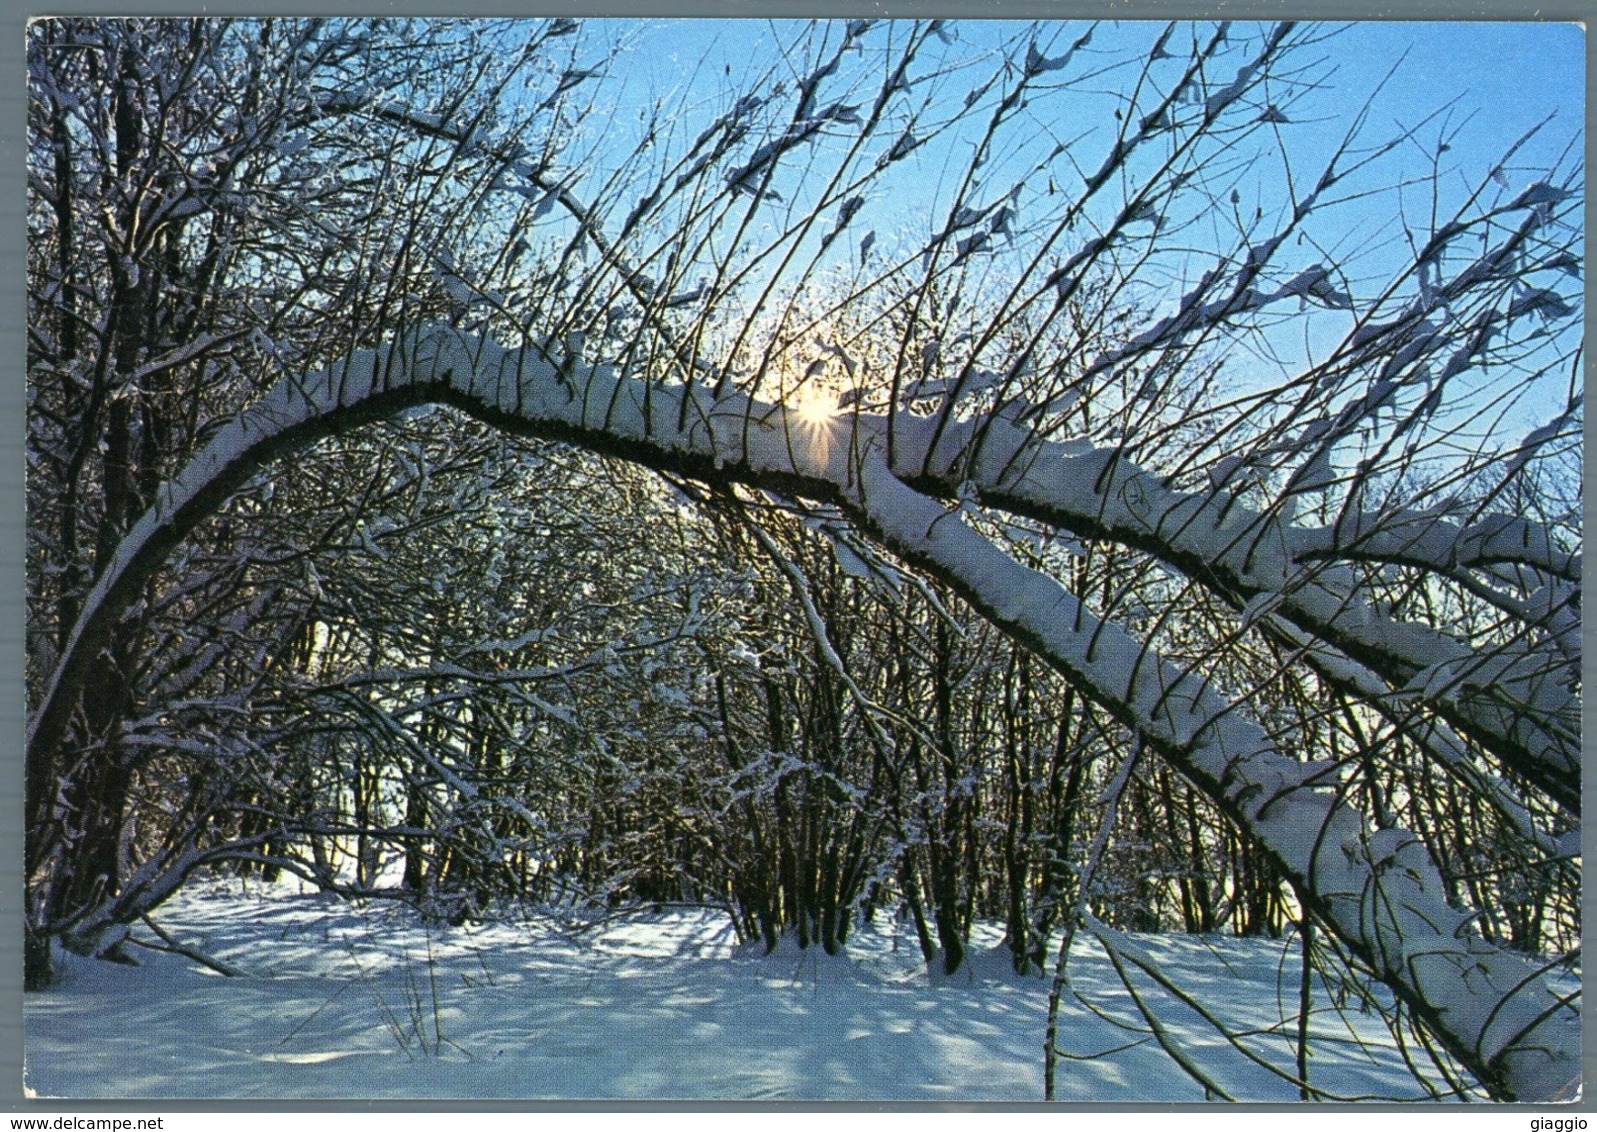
[(1246, 554), (1379, 891), (1518, 701)]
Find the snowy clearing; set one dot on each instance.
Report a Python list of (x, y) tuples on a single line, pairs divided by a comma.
[(342, 1001)]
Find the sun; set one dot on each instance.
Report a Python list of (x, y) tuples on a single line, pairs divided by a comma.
[(811, 409), (814, 406)]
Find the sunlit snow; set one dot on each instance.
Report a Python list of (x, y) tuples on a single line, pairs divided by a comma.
[(342, 1000)]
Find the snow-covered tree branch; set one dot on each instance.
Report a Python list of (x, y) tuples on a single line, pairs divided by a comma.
[(353, 382)]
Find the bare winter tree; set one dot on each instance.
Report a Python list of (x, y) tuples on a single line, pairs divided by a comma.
[(1279, 482)]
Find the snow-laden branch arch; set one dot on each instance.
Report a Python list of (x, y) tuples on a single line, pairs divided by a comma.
[(1377, 890)]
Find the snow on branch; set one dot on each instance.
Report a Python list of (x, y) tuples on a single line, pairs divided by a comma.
[(1378, 891), (1099, 493)]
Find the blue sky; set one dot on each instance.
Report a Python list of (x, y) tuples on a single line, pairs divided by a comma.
[(1488, 83), (1505, 76), (1510, 74), (1477, 87)]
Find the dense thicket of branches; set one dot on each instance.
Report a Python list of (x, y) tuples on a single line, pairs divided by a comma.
[(1125, 547)]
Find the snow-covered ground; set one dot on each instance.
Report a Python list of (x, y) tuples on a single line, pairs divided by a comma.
[(345, 1001)]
